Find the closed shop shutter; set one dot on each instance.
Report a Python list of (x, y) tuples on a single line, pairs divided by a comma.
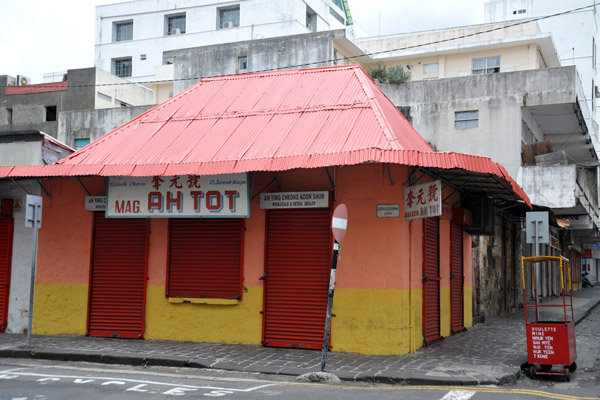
[(205, 258), (297, 277), (6, 242), (456, 278), (118, 277), (431, 280)]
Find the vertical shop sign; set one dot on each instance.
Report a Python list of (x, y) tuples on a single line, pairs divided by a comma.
[(423, 201)]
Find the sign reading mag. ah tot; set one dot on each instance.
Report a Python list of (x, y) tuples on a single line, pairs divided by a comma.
[(217, 196)]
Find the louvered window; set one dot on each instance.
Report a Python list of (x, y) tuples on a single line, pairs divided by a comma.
[(205, 258)]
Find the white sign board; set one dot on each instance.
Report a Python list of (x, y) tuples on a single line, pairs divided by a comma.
[(33, 208), (270, 201), (95, 203), (217, 196), (388, 210), (423, 201), (536, 224), (595, 254)]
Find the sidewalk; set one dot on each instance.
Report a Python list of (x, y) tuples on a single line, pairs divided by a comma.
[(488, 353)]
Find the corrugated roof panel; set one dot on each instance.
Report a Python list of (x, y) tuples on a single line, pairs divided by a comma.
[(304, 133), (117, 170), (186, 135), (360, 136), (249, 95), (238, 144), (183, 169), (327, 86), (5, 170), (353, 93), (214, 139), (336, 127), (270, 139), (149, 170)]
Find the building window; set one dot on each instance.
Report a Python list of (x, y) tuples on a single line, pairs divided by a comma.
[(142, 57), (466, 119), (123, 31), (228, 17), (337, 16), (123, 68), (311, 19), (175, 24), (521, 11), (9, 115), (431, 69), (122, 103), (205, 258), (487, 65), (50, 113), (79, 143), (243, 63)]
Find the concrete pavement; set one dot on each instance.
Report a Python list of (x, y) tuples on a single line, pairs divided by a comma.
[(488, 353)]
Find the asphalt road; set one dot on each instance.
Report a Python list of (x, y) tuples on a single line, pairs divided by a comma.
[(47, 380)]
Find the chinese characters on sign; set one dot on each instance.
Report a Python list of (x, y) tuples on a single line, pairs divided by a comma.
[(423, 201), (179, 196)]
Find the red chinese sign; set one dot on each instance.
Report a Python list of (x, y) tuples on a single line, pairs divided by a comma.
[(423, 201)]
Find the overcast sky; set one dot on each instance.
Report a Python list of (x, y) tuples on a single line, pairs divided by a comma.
[(39, 36)]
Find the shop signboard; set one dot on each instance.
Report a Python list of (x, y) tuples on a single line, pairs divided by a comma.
[(214, 196), (95, 203), (279, 200), (423, 201)]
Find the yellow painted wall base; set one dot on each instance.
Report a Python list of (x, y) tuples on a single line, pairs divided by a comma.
[(445, 320), (373, 321), (218, 323), (60, 309), (468, 310)]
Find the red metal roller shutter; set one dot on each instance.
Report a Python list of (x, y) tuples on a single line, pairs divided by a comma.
[(431, 280), (205, 258), (118, 277), (297, 277), (456, 279), (6, 241)]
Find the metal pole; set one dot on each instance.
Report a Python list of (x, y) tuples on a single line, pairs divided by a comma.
[(33, 268), (537, 269), (336, 249)]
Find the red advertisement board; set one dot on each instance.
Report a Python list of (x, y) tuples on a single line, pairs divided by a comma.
[(551, 343)]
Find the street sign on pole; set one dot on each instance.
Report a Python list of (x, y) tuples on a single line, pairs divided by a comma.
[(33, 219), (339, 223)]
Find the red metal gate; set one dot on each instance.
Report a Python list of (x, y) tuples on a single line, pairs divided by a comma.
[(118, 277), (298, 263), (431, 280), (456, 278), (6, 243)]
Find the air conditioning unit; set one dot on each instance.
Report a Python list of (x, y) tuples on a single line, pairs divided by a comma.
[(227, 25), (484, 215), (23, 80), (176, 31)]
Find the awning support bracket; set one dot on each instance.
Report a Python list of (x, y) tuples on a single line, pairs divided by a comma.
[(43, 188), (331, 180), (264, 188), (277, 181), (252, 184), (387, 166), (83, 186), (19, 185)]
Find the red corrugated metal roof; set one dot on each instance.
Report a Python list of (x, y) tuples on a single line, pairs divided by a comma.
[(269, 121)]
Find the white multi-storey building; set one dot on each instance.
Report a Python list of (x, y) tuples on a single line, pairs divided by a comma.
[(132, 37), (574, 30)]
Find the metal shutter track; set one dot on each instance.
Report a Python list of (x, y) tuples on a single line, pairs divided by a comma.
[(6, 236), (431, 287), (296, 288), (456, 278), (205, 258), (118, 281)]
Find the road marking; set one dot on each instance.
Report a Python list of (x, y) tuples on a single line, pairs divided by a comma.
[(458, 395)]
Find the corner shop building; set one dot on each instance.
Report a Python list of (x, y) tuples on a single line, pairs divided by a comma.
[(217, 220)]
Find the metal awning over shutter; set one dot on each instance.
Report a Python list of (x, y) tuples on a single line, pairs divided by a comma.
[(118, 277), (6, 244), (431, 280), (297, 277), (205, 257)]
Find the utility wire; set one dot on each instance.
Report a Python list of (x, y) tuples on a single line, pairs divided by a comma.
[(367, 54)]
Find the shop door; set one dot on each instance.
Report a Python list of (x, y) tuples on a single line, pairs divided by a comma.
[(6, 241), (431, 280), (118, 277), (297, 277), (456, 278)]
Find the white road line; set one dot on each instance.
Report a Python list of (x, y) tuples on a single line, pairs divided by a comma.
[(113, 380), (458, 395)]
